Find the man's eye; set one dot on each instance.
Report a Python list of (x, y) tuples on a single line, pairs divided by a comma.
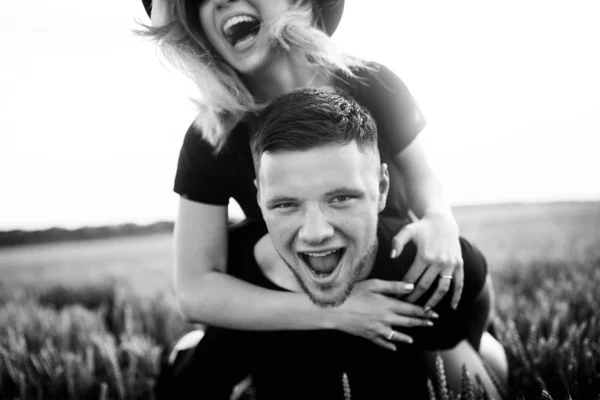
[(342, 199), (283, 206)]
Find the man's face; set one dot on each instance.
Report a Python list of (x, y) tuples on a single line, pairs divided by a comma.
[(321, 207)]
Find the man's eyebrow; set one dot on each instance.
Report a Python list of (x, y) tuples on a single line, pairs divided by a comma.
[(279, 199), (345, 190)]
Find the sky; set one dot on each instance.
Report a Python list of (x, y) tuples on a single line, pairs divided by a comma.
[(91, 121)]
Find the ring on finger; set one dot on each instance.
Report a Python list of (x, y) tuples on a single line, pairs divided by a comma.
[(391, 335), (446, 277)]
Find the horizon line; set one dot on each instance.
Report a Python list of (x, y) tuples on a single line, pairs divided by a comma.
[(67, 227)]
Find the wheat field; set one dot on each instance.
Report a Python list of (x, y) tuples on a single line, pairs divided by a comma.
[(89, 319)]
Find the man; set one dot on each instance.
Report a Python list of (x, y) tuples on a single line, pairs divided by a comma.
[(321, 186)]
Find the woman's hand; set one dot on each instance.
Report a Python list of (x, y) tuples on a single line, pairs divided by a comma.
[(438, 254), (371, 311)]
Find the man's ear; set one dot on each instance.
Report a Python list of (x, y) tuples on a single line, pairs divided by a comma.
[(257, 191), (384, 186)]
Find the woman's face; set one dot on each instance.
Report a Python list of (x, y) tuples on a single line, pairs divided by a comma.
[(237, 29)]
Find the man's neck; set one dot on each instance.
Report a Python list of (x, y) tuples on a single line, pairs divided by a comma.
[(369, 261)]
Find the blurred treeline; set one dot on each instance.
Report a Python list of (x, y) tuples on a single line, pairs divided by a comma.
[(22, 237)]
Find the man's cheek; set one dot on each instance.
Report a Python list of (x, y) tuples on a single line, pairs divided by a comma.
[(274, 228), (281, 234)]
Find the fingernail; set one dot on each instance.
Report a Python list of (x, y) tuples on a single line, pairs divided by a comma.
[(393, 255), (432, 314), (409, 286), (394, 348), (455, 305), (429, 323), (409, 340)]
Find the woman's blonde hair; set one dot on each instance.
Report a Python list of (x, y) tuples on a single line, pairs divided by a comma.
[(223, 97)]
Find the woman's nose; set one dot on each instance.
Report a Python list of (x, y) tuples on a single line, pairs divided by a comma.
[(222, 3)]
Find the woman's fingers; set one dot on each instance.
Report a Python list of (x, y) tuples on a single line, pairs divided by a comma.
[(400, 240), (392, 288), (400, 307), (389, 336), (459, 282), (415, 271), (443, 287), (410, 322), (400, 337), (384, 343), (424, 283)]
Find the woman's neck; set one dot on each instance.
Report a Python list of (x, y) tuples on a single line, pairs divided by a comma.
[(284, 74)]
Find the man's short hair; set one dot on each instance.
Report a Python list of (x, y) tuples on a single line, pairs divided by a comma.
[(309, 118)]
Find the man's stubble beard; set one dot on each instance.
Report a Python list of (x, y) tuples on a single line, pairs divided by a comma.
[(339, 300)]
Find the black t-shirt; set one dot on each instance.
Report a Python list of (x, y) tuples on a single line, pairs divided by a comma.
[(310, 364), (214, 178)]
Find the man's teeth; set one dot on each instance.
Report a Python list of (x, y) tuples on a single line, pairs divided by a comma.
[(236, 20), (323, 263), (320, 254)]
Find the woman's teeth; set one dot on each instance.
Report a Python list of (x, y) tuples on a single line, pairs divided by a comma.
[(240, 29), (236, 20)]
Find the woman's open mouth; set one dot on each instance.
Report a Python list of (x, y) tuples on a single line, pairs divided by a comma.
[(322, 265), (241, 30)]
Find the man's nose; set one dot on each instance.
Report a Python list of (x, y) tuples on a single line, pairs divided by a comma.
[(315, 227)]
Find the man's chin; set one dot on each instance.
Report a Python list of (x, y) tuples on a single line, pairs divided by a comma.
[(326, 292), (334, 297)]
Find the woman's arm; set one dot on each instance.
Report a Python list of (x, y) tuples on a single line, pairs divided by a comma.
[(208, 295), (424, 190), (436, 231)]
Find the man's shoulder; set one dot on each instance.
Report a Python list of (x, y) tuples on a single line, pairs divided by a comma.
[(389, 226), (388, 268)]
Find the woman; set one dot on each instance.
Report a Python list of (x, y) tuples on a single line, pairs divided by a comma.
[(241, 54)]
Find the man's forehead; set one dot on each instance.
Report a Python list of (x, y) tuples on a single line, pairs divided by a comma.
[(318, 169), (325, 155)]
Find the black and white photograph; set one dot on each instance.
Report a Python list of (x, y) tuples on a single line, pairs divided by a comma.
[(300, 200)]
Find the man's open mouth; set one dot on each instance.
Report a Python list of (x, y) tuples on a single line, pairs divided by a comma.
[(241, 30), (323, 263)]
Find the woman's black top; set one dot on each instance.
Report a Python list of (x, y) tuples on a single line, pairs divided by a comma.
[(214, 178)]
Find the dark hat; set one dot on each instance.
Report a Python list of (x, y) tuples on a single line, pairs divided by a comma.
[(331, 10)]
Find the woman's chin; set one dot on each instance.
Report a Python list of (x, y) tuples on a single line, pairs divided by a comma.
[(252, 59), (254, 65)]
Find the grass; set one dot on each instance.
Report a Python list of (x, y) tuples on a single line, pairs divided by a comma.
[(97, 341), (90, 319)]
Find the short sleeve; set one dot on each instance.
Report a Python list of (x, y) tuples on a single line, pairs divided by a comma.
[(396, 113), (453, 325), (202, 175)]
